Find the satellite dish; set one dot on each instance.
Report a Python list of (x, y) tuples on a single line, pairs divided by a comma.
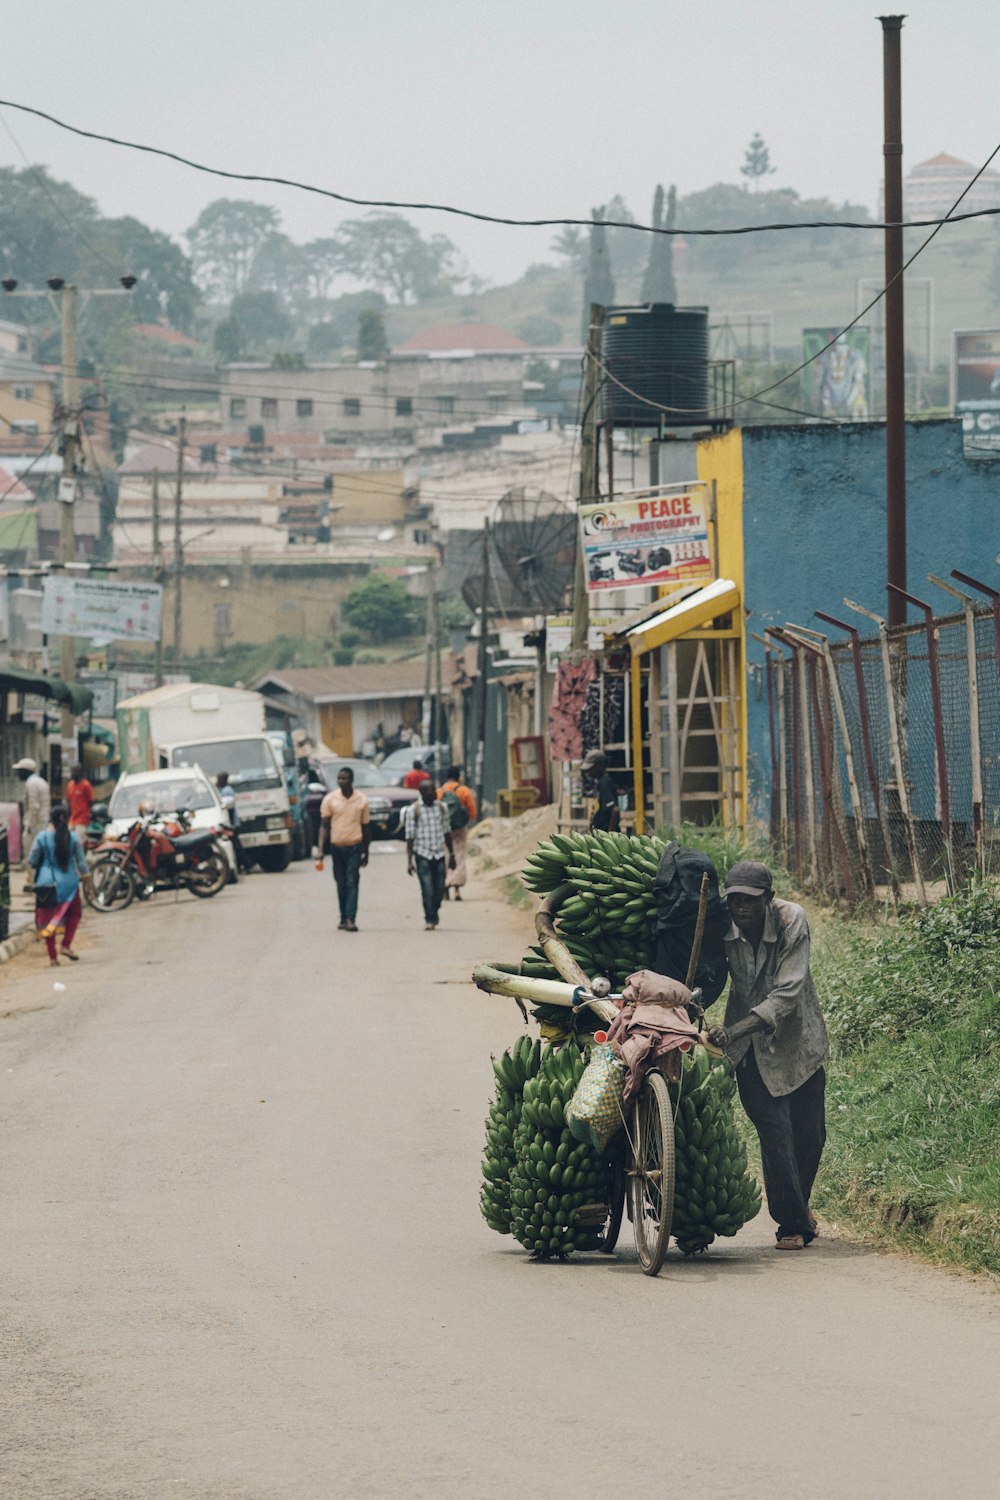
[(535, 538), (386, 535)]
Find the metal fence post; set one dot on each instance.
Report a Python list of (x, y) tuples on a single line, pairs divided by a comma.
[(897, 755), (968, 605)]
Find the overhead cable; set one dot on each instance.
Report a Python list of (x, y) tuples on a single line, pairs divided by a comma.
[(468, 213)]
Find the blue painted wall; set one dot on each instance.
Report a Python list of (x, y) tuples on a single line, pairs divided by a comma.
[(814, 531)]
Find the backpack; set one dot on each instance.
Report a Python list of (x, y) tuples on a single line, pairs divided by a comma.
[(458, 813), (678, 888)]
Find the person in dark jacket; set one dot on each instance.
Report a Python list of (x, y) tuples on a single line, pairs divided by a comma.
[(595, 768)]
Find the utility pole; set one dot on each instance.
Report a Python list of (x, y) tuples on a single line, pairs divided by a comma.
[(67, 510), (484, 625), (436, 732), (589, 460), (157, 568), (178, 541), (895, 367)]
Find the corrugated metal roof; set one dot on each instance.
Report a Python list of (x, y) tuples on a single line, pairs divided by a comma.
[(383, 679)]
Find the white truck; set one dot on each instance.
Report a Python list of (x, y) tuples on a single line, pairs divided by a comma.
[(219, 729)]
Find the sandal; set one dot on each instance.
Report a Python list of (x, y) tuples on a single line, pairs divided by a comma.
[(73, 957), (791, 1242)]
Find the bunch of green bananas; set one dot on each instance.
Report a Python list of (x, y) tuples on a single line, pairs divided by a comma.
[(608, 922), (513, 1069), (714, 1193), (559, 1188)]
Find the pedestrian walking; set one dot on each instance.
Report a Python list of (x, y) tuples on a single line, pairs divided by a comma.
[(227, 796), (416, 777), (344, 825), (460, 800), (775, 1034), (80, 798), (58, 861), (428, 836), (595, 767), (37, 801)]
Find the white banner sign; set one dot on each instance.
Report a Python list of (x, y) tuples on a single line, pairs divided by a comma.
[(647, 538), (97, 607)]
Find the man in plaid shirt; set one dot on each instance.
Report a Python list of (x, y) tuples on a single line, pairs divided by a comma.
[(427, 833)]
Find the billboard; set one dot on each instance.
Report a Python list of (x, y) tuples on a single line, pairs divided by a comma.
[(837, 380), (647, 538), (102, 609), (976, 388)]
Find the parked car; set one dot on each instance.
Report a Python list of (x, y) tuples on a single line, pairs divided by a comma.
[(173, 790), (434, 758), (385, 801)]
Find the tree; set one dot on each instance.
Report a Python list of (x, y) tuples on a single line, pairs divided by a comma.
[(321, 261), (389, 253), (381, 608), (165, 286), (658, 284), (570, 244), (228, 340), (264, 321), (225, 239), (757, 161), (539, 330), (373, 343), (278, 266), (599, 285), (626, 247)]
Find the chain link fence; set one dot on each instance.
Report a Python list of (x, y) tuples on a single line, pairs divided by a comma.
[(885, 750)]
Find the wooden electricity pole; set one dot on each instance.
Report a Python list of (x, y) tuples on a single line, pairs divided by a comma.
[(178, 541), (589, 459), (895, 338), (67, 509), (484, 626), (157, 568)]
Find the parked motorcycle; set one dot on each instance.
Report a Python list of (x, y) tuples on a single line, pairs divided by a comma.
[(157, 856)]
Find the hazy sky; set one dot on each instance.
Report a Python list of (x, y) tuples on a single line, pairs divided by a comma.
[(523, 107)]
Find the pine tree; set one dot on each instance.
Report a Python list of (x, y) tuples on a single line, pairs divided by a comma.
[(658, 284), (599, 285), (757, 161)]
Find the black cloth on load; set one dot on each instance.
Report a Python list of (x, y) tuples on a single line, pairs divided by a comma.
[(678, 888)]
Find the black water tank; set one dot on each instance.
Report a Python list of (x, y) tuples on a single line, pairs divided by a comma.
[(661, 353)]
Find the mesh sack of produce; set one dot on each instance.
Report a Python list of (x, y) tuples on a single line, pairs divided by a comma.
[(595, 1111)]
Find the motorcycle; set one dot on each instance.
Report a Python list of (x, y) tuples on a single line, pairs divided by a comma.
[(157, 855)]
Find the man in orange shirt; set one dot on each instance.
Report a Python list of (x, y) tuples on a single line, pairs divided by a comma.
[(461, 803), (414, 779), (80, 796), (344, 825)]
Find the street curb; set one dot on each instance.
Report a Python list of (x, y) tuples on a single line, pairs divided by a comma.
[(13, 945)]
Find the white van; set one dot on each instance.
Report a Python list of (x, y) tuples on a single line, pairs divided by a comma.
[(258, 783)]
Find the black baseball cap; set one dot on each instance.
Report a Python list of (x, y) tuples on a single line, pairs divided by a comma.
[(748, 877)]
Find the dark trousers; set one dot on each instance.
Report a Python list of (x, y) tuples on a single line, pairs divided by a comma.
[(431, 874), (347, 874), (792, 1130)]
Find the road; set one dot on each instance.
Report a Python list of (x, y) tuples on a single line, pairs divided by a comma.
[(242, 1254)]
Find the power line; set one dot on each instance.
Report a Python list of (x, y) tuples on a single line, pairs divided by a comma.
[(36, 460), (467, 213), (56, 205)]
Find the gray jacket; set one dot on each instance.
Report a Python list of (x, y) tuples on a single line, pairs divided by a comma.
[(776, 984)]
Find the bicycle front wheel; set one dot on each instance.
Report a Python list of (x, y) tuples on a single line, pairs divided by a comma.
[(651, 1173)]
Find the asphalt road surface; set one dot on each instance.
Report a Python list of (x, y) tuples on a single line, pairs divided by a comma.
[(242, 1255)]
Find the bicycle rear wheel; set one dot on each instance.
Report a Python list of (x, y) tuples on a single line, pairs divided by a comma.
[(651, 1174)]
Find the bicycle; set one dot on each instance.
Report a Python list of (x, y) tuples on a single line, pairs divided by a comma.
[(641, 1167)]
